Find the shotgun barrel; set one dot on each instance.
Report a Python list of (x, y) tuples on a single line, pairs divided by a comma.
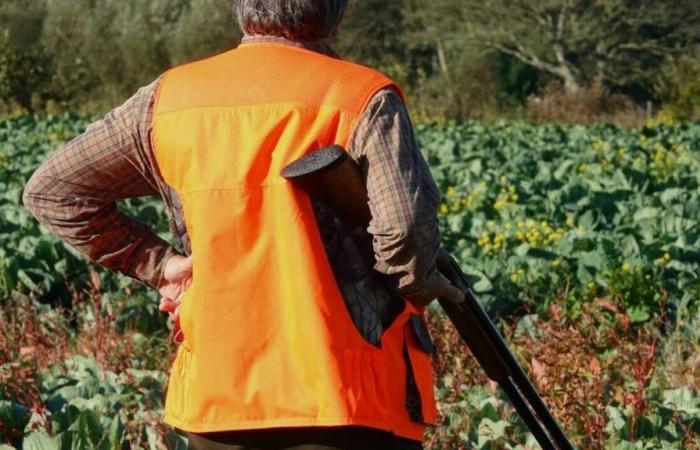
[(331, 176)]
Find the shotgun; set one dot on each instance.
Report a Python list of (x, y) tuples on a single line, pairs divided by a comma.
[(331, 176)]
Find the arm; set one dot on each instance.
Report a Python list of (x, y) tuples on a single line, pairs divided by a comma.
[(74, 192), (403, 199)]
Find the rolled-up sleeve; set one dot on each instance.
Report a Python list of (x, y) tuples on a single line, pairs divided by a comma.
[(403, 198), (73, 193)]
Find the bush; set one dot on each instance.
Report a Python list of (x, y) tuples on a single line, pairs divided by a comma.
[(683, 102), (589, 105)]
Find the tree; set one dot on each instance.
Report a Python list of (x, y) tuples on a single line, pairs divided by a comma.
[(206, 27), (25, 66), (372, 33), (613, 41)]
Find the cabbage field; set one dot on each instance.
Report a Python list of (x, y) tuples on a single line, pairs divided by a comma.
[(583, 243)]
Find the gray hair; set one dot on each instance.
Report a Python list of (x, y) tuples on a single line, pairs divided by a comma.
[(298, 20)]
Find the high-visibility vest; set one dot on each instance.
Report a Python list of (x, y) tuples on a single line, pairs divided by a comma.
[(268, 340)]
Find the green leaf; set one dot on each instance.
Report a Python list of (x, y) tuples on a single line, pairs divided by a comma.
[(683, 399), (39, 440), (14, 415), (647, 213), (638, 314), (490, 431), (594, 260)]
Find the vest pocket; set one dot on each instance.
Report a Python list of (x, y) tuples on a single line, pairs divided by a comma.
[(417, 351), (176, 401), (185, 320)]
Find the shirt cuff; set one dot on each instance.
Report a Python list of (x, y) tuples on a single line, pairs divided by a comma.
[(150, 263), (426, 292)]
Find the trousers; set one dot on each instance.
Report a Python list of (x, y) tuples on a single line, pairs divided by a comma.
[(306, 438)]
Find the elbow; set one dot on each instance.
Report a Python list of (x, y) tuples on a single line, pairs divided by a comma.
[(31, 195)]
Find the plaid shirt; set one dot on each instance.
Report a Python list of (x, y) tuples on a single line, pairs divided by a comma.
[(74, 192)]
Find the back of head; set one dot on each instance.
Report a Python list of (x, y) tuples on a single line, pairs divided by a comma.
[(297, 20)]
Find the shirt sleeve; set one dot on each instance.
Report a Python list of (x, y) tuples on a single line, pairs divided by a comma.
[(403, 197), (73, 193)]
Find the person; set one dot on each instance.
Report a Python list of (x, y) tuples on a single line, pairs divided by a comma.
[(299, 330)]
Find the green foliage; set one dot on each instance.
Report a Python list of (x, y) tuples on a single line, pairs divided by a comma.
[(683, 100), (620, 43), (29, 255), (553, 216), (86, 55), (87, 407), (602, 210), (552, 220)]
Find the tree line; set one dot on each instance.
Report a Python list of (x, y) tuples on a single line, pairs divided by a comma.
[(455, 58)]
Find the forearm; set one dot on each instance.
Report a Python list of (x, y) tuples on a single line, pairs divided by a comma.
[(403, 199), (100, 231), (407, 256)]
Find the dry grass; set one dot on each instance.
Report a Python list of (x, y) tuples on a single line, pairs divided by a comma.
[(580, 367), (34, 338), (590, 105)]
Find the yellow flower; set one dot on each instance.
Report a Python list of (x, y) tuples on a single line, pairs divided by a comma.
[(625, 267), (664, 260), (500, 203)]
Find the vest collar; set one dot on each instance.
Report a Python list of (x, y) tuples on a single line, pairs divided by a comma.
[(318, 46)]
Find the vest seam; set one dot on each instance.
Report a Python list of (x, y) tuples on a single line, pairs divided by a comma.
[(312, 52), (154, 114), (291, 47), (316, 108), (318, 421), (321, 419), (381, 84), (264, 185)]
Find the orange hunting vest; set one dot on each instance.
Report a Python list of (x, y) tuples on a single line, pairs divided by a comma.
[(268, 340)]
